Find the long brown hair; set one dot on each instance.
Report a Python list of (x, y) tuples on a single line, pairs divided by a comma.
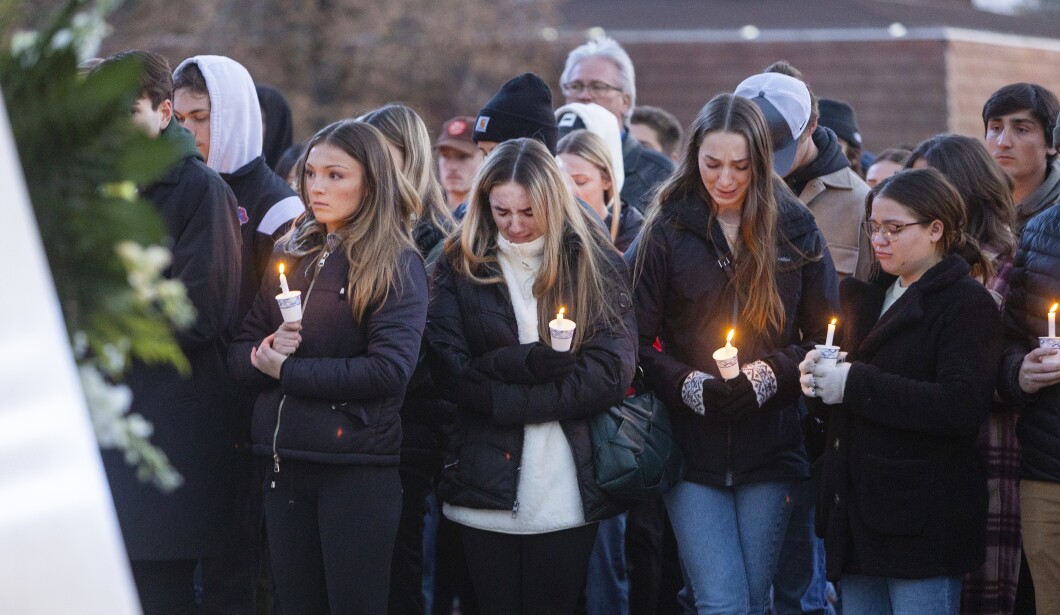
[(593, 150), (754, 278), (377, 232), (404, 129), (576, 271), (930, 196), (985, 189)]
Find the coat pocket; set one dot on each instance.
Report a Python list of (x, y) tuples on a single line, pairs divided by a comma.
[(895, 497)]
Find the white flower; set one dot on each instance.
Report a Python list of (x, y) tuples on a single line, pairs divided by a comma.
[(79, 342), (157, 258), (23, 40), (107, 405)]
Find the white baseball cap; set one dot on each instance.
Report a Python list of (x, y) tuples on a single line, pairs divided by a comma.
[(785, 103)]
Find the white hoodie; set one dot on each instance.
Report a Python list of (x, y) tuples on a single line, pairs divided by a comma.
[(603, 124), (235, 114)]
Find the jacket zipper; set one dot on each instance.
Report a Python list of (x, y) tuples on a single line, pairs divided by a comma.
[(279, 411), (515, 500)]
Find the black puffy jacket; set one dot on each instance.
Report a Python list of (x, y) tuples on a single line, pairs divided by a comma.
[(465, 321), (338, 396), (1034, 288), (684, 298), (645, 170)]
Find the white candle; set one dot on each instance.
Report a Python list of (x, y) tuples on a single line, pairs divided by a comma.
[(727, 358), (561, 331), (283, 281), (1052, 320), (831, 333)]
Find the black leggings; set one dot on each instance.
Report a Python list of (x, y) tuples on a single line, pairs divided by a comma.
[(528, 574), (331, 536)]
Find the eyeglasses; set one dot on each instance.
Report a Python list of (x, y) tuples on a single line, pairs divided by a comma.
[(596, 88), (889, 232)]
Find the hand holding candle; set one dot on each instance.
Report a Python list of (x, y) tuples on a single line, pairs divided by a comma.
[(829, 353), (727, 358), (561, 330), (290, 302)]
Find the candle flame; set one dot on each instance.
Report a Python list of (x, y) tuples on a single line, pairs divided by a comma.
[(281, 268), (559, 315), (833, 320), (728, 338), (1052, 310)]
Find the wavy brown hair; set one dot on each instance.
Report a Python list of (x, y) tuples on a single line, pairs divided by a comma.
[(985, 189), (404, 129), (377, 232), (577, 267), (754, 280)]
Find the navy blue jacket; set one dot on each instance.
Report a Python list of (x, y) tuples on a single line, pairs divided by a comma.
[(338, 395), (684, 298), (1034, 288), (466, 322), (902, 490), (645, 169)]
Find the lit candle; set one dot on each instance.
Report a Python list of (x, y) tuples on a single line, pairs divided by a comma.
[(831, 333), (727, 359), (1052, 320), (283, 281), (561, 331)]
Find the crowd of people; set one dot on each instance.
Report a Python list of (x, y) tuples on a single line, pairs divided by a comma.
[(411, 441)]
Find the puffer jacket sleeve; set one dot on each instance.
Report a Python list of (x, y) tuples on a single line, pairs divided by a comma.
[(663, 373), (394, 331), (958, 400), (598, 380)]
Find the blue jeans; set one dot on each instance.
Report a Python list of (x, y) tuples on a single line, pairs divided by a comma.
[(799, 585), (885, 596), (606, 584), (729, 539)]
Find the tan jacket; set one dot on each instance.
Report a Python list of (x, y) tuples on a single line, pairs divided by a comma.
[(837, 201)]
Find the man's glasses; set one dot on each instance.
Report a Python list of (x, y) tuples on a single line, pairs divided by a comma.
[(888, 231), (596, 88)]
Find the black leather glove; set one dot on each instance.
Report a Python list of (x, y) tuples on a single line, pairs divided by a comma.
[(474, 394), (547, 364), (730, 398)]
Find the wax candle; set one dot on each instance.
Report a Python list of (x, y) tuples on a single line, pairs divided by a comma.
[(283, 281), (561, 331), (727, 359), (1052, 320), (831, 333)]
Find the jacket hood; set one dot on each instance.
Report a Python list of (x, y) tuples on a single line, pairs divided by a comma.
[(184, 140), (1047, 194), (830, 158), (279, 132), (603, 124), (235, 115)]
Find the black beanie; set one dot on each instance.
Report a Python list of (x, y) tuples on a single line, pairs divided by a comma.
[(521, 108), (839, 116)]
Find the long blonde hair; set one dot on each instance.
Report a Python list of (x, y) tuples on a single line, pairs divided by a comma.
[(754, 280), (593, 150), (377, 232), (404, 129), (577, 270)]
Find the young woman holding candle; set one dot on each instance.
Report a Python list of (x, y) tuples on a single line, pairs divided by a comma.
[(728, 246), (986, 191), (330, 386), (902, 496), (518, 477)]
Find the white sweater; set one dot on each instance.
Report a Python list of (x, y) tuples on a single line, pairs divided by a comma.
[(547, 494)]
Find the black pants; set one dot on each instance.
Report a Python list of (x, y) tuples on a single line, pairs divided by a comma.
[(406, 571), (452, 579), (528, 574), (331, 536), (165, 587), (229, 580), (654, 569)]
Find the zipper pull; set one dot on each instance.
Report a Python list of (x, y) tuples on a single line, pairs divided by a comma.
[(276, 464), (515, 509)]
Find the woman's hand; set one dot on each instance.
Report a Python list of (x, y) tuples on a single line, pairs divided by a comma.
[(824, 381), (266, 359), (287, 338), (1035, 375)]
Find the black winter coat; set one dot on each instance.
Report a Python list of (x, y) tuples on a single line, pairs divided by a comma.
[(645, 170), (630, 220), (465, 322), (338, 396), (199, 212), (902, 492), (1034, 288), (684, 298)]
